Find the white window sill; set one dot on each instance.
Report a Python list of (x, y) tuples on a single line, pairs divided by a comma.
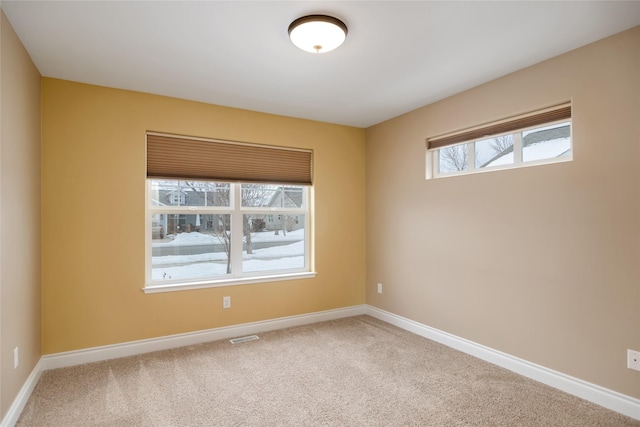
[(172, 287)]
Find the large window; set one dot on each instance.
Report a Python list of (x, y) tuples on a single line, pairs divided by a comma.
[(223, 231), (218, 224), (537, 138)]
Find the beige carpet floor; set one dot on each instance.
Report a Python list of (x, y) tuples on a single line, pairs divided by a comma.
[(349, 372)]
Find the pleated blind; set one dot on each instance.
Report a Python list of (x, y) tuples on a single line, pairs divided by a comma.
[(178, 157), (537, 118)]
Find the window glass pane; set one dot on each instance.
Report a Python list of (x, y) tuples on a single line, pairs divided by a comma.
[(189, 246), (494, 151), (272, 196), (189, 193), (453, 159), (273, 242), (154, 192), (218, 194), (547, 142)]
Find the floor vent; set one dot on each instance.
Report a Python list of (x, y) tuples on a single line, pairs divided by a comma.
[(244, 339)]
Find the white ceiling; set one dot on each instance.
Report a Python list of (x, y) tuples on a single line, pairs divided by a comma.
[(398, 56)]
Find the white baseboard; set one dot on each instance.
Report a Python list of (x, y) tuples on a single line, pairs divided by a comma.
[(609, 399), (11, 418), (96, 354)]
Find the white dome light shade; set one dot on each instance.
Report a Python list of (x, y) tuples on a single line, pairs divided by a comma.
[(317, 33)]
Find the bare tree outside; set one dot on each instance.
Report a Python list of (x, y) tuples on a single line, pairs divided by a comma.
[(454, 158), (221, 196), (502, 144), (224, 237), (253, 195)]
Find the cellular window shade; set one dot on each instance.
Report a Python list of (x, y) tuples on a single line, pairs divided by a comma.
[(538, 118), (177, 157)]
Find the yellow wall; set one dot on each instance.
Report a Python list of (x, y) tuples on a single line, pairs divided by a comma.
[(19, 214), (93, 206), (542, 263)]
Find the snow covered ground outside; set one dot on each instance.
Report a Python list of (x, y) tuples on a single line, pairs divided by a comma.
[(198, 239), (214, 263)]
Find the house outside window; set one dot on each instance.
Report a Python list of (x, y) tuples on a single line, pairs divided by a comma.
[(177, 198)]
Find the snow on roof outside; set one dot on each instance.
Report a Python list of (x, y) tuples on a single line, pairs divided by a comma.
[(537, 151)]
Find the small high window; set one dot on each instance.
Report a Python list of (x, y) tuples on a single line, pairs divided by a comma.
[(536, 138)]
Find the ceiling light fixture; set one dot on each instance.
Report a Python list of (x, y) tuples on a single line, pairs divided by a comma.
[(317, 33)]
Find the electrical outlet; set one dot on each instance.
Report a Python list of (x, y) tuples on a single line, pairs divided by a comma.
[(226, 302), (633, 360), (379, 288), (16, 359)]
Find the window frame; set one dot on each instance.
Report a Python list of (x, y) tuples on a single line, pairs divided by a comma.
[(236, 212), (432, 156)]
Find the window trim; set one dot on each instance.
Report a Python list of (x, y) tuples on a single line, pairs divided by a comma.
[(236, 210), (183, 286), (555, 115)]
